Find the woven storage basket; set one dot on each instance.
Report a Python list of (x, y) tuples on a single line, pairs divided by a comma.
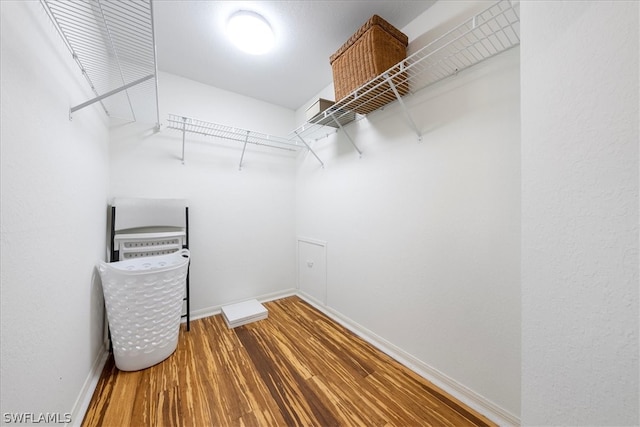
[(143, 297), (372, 50)]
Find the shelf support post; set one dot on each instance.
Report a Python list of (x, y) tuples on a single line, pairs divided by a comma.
[(243, 148), (404, 107), (184, 131), (345, 132), (155, 68), (309, 148)]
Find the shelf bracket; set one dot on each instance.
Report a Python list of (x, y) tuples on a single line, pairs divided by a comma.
[(402, 104), (184, 131), (346, 134), (309, 148), (246, 140), (108, 94), (155, 69)]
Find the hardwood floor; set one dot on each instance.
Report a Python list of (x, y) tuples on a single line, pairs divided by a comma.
[(297, 367)]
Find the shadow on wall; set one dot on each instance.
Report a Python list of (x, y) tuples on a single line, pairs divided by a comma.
[(444, 103), (97, 310), (443, 27)]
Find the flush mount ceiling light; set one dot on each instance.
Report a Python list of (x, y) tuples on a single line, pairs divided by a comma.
[(250, 32)]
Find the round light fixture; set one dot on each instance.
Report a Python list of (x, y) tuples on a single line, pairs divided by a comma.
[(250, 32)]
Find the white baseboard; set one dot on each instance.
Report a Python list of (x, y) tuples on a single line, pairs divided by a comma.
[(86, 393), (444, 382), (212, 311)]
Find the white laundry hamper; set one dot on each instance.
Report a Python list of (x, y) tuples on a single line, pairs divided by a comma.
[(144, 298)]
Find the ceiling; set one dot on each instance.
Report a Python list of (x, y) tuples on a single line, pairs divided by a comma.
[(190, 42)]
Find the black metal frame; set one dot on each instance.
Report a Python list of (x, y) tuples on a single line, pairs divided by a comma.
[(186, 246), (115, 256)]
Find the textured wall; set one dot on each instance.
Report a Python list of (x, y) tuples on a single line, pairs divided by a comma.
[(53, 201), (424, 238), (580, 213), (242, 223)]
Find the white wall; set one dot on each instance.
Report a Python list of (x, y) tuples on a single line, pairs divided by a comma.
[(242, 223), (580, 213), (424, 238), (53, 201)]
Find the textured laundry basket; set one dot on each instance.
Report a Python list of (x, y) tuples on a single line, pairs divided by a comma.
[(144, 305)]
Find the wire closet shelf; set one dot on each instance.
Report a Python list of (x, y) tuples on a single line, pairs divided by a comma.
[(113, 43), (244, 136), (484, 35)]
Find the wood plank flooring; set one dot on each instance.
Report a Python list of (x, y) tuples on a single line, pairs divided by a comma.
[(295, 368)]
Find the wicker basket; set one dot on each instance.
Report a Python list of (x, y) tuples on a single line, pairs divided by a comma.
[(372, 50)]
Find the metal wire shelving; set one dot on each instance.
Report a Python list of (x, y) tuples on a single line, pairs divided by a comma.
[(244, 136), (484, 35), (480, 37), (113, 43)]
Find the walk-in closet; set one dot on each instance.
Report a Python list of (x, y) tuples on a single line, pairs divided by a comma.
[(383, 213)]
